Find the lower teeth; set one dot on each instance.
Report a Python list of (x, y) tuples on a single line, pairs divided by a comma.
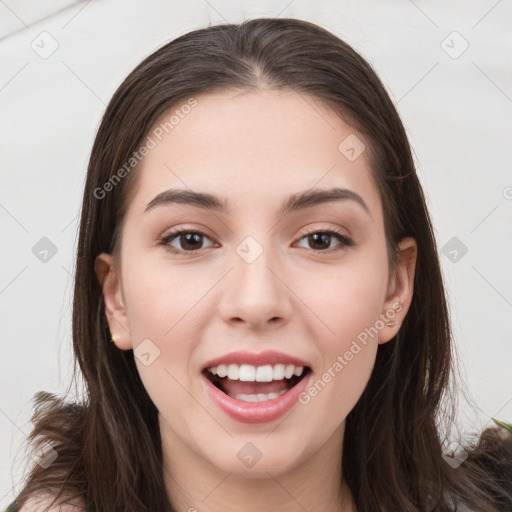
[(259, 397)]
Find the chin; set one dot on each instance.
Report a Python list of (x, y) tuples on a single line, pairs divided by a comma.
[(258, 457)]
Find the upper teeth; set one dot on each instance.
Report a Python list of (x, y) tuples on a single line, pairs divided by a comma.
[(247, 372)]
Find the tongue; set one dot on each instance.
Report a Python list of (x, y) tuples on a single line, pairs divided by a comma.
[(237, 387)]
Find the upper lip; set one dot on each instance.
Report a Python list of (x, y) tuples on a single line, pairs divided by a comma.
[(240, 357)]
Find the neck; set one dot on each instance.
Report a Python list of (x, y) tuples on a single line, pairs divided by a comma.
[(316, 484)]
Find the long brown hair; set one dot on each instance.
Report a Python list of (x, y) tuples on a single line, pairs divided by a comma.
[(109, 446)]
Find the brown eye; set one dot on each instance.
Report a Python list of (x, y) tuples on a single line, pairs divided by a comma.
[(187, 241), (320, 241)]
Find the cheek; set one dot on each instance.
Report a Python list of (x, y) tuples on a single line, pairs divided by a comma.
[(160, 302), (161, 298), (343, 301), (349, 303)]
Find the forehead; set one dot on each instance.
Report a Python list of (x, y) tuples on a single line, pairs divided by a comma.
[(260, 145)]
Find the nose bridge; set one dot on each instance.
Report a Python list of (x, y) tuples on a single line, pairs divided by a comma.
[(255, 292)]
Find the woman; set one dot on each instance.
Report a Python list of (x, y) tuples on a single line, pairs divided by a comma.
[(259, 313)]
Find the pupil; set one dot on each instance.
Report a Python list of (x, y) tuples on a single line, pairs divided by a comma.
[(187, 237), (315, 236)]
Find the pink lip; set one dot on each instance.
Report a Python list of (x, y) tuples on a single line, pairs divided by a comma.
[(263, 358), (256, 412)]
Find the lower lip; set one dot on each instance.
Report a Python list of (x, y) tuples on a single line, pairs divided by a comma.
[(256, 412)]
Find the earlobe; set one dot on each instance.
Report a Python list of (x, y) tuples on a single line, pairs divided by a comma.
[(400, 289), (115, 311)]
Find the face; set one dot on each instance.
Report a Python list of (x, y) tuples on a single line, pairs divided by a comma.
[(292, 305)]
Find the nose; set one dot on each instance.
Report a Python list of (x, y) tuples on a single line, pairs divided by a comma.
[(256, 293)]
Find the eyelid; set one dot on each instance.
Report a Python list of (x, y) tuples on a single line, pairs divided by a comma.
[(322, 229)]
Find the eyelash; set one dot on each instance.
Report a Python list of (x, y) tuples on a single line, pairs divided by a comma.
[(167, 238)]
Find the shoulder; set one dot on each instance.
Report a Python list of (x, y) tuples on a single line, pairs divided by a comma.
[(45, 504)]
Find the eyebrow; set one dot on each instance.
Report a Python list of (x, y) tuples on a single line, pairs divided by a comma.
[(294, 202)]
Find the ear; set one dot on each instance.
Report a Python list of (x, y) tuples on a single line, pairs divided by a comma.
[(400, 289), (109, 278)]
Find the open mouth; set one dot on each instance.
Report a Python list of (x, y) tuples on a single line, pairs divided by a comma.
[(255, 383)]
